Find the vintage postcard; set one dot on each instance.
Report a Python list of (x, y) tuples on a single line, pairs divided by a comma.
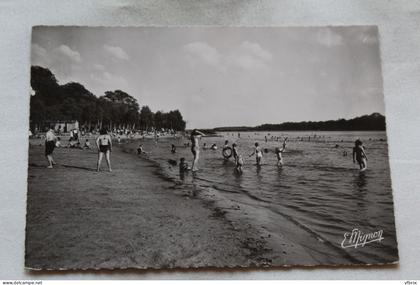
[(189, 147)]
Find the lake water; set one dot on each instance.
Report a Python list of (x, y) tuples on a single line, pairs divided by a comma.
[(318, 189)]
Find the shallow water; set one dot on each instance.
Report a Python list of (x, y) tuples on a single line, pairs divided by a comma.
[(318, 189)]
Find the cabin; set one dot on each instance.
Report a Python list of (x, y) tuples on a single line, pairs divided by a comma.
[(57, 126)]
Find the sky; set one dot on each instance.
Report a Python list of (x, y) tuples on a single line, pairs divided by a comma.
[(220, 76)]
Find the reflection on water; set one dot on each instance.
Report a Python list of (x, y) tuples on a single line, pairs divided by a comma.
[(361, 181), (318, 186)]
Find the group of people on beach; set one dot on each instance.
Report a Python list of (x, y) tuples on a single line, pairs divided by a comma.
[(104, 146), (103, 143)]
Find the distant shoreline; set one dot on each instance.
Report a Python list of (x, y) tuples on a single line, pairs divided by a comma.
[(373, 122)]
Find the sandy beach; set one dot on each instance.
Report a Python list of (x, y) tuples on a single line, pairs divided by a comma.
[(130, 218)]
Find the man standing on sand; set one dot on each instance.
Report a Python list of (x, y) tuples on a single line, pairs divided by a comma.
[(104, 145), (195, 149), (50, 140)]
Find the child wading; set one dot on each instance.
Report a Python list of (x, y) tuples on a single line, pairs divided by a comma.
[(360, 155), (258, 153)]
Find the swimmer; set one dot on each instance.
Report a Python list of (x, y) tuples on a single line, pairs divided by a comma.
[(359, 155), (204, 146), (279, 152), (173, 148), (140, 150), (213, 147), (195, 149), (258, 153), (239, 163)]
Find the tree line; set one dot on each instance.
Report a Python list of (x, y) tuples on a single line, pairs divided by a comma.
[(373, 122), (51, 102)]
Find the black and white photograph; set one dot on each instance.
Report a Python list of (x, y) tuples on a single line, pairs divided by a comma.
[(207, 147)]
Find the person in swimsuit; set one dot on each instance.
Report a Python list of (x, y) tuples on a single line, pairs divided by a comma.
[(257, 151), (235, 151), (279, 152), (87, 144), (359, 154), (195, 149), (104, 144), (225, 147), (237, 157), (50, 140)]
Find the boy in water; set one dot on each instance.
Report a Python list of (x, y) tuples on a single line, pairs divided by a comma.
[(359, 154), (173, 148), (257, 151), (279, 152)]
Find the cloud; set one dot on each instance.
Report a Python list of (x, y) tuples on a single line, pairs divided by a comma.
[(250, 56), (98, 67), (62, 60), (368, 39), (116, 52), (256, 50), (66, 51), (109, 81), (203, 52), (247, 62), (38, 51), (247, 56), (329, 38)]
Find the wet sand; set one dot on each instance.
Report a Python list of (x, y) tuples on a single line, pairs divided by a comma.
[(78, 218)]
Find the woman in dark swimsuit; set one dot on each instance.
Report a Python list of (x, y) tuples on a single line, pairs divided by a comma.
[(195, 149), (104, 144)]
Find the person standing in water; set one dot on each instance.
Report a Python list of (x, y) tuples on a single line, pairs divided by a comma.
[(195, 149), (50, 140), (257, 151), (359, 155), (104, 144), (279, 152), (225, 147), (237, 157)]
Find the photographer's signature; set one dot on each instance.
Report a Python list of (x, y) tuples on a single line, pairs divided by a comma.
[(357, 238)]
